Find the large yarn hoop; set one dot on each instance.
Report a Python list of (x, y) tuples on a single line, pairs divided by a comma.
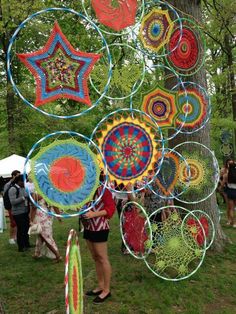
[(36, 146), (9, 57)]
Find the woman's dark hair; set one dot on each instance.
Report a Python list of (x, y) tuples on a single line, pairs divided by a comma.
[(227, 162), (232, 173), (15, 173), (19, 178)]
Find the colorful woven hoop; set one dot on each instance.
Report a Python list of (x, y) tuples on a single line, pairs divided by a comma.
[(135, 230), (204, 172), (207, 224), (117, 25), (129, 145), (194, 101), (167, 184), (176, 255), (65, 172), (189, 56), (155, 28), (60, 71), (161, 105), (67, 54), (73, 276)]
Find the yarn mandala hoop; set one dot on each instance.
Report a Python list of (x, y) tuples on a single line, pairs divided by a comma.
[(69, 73), (129, 143), (204, 172), (162, 104), (207, 224), (73, 276), (135, 230), (176, 254), (118, 76), (65, 172), (197, 105), (116, 16), (156, 28), (189, 56), (166, 184)]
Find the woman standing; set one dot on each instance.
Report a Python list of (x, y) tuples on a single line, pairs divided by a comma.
[(45, 244), (231, 192), (96, 231)]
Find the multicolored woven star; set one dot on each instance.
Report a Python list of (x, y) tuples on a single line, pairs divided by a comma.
[(161, 104), (156, 29), (60, 71)]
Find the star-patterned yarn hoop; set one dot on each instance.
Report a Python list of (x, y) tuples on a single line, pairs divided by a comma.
[(59, 70), (129, 144), (155, 28), (204, 172), (176, 255), (90, 14), (64, 64), (189, 56), (197, 105), (66, 172), (73, 276), (135, 230)]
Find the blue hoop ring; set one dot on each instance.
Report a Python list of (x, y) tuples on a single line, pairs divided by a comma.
[(9, 70), (162, 144), (36, 145)]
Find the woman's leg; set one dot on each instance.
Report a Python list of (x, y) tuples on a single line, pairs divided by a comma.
[(231, 211), (100, 249), (98, 267), (52, 248)]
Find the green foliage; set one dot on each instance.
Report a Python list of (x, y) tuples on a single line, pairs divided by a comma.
[(221, 51)]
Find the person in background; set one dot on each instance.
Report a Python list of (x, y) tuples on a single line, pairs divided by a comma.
[(224, 187), (96, 231), (230, 180), (45, 244), (18, 199), (3, 225), (12, 229)]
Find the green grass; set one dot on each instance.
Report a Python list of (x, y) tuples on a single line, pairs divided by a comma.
[(31, 287)]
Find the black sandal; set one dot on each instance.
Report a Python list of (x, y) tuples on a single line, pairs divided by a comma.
[(99, 300)]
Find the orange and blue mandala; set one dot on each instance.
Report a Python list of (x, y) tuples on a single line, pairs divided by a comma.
[(65, 173)]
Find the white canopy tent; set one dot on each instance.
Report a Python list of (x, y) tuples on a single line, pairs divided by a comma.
[(13, 162)]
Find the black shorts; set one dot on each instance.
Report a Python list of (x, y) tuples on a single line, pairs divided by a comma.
[(96, 236), (231, 193)]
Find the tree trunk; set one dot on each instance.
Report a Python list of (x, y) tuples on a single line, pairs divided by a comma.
[(193, 8)]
